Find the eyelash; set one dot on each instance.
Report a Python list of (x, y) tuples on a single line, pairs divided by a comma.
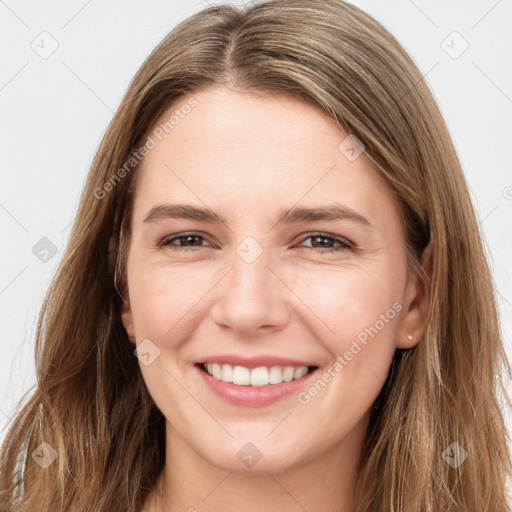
[(166, 242)]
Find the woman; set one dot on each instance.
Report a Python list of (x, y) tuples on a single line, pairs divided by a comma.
[(277, 226)]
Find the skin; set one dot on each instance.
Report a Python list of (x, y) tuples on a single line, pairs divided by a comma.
[(247, 156)]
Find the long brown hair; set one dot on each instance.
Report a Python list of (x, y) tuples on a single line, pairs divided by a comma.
[(90, 404)]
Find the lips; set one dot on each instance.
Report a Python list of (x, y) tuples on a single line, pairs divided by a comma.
[(256, 381)]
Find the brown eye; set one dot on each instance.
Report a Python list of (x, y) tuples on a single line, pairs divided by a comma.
[(185, 240), (326, 242)]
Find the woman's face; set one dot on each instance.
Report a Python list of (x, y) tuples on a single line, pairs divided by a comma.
[(285, 255)]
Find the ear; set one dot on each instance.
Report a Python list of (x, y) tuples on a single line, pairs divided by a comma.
[(416, 304), (127, 319)]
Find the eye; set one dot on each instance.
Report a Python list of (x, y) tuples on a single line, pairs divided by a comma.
[(325, 247), (183, 238)]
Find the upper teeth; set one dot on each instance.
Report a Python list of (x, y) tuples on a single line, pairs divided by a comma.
[(261, 376)]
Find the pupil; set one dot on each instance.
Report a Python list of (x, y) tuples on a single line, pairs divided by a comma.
[(191, 237), (321, 238)]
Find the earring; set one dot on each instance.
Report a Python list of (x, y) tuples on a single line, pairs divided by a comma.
[(409, 337)]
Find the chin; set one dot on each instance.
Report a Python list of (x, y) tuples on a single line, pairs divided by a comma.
[(245, 457)]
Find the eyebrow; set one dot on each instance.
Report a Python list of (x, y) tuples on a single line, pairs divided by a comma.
[(292, 215)]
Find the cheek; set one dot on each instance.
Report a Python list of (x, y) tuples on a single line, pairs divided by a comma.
[(348, 300), (359, 314), (165, 300)]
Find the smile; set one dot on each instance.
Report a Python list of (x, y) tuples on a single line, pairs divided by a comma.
[(256, 377)]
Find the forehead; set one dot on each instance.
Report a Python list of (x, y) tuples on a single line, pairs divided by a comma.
[(246, 151)]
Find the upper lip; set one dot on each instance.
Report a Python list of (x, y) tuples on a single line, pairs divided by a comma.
[(254, 361)]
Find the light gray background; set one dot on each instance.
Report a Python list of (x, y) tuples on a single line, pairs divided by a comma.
[(54, 111)]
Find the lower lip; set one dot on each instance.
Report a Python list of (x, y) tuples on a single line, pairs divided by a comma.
[(254, 396)]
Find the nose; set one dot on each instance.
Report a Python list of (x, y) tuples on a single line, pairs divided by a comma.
[(252, 298)]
